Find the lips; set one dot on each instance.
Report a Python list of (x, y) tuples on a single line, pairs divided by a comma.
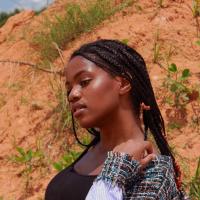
[(77, 107)]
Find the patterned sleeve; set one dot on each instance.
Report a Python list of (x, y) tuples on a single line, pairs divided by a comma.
[(121, 178)]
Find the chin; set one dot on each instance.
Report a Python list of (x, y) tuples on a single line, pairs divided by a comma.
[(87, 123), (84, 123)]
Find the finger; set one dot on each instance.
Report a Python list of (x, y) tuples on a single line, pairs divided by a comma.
[(145, 161), (148, 147)]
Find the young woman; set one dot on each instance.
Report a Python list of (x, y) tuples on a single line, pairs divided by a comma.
[(110, 94)]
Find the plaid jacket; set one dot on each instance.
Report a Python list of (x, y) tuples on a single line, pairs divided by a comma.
[(121, 178)]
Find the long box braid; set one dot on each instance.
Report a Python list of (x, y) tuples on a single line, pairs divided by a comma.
[(119, 59)]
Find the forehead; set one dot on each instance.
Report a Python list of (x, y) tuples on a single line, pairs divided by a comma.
[(78, 65)]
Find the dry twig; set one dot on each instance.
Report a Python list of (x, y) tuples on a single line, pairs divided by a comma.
[(32, 65)]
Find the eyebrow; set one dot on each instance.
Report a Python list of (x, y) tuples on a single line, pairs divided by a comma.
[(76, 75)]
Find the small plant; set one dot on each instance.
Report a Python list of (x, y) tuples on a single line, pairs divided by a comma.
[(156, 48), (156, 52), (86, 138), (176, 85), (66, 160), (195, 184), (29, 160), (177, 95)]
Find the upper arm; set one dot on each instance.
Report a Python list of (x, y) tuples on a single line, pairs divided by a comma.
[(157, 183)]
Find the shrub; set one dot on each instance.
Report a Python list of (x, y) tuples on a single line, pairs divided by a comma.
[(4, 16)]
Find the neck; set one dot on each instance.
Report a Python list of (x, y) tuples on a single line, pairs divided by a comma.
[(122, 127)]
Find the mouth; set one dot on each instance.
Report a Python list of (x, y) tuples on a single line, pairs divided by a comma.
[(77, 109), (78, 112)]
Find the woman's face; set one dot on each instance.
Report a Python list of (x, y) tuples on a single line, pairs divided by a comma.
[(93, 94)]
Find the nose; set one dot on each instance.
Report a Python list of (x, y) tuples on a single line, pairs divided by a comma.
[(74, 94)]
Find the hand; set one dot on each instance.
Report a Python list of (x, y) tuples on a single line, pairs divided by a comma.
[(140, 151)]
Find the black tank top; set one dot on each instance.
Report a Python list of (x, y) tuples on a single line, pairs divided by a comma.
[(69, 185)]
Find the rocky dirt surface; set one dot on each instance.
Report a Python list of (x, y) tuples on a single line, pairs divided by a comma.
[(28, 97)]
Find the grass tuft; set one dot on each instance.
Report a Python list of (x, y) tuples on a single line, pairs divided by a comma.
[(66, 160), (195, 184), (75, 21)]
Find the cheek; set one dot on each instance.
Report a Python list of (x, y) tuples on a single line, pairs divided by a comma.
[(102, 92), (102, 100)]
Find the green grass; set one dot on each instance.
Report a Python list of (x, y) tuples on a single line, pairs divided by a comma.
[(75, 21), (66, 160), (156, 48), (198, 42), (62, 115), (195, 184)]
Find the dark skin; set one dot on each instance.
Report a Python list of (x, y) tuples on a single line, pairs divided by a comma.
[(107, 105)]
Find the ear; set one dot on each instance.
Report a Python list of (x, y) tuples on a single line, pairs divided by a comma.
[(124, 85)]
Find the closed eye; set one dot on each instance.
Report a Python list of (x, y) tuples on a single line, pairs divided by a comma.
[(84, 83)]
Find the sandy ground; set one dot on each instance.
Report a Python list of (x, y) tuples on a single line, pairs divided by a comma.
[(28, 100)]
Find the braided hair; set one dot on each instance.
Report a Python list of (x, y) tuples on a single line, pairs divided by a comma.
[(119, 59)]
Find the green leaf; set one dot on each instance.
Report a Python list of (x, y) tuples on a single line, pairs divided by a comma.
[(21, 151), (198, 42), (172, 68), (29, 155), (185, 73), (174, 87), (67, 159), (125, 41), (58, 166), (195, 183), (19, 159)]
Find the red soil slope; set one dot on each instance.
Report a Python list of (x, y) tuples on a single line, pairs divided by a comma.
[(27, 98)]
